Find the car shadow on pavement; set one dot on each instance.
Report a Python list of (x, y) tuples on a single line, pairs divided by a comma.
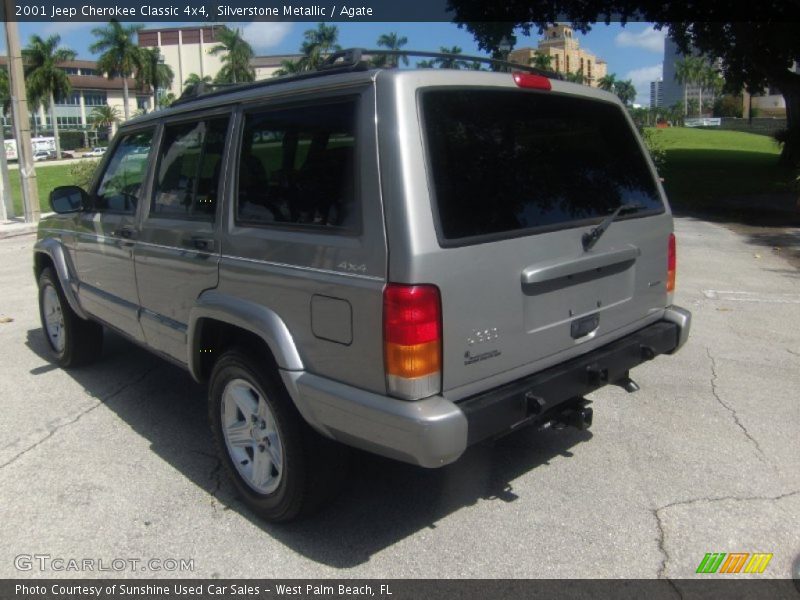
[(382, 501)]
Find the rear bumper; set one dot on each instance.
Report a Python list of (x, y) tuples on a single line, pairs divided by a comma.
[(435, 431)]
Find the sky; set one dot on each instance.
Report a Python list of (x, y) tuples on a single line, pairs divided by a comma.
[(634, 51)]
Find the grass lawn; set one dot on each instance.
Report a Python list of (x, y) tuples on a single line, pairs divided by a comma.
[(47, 178), (704, 167)]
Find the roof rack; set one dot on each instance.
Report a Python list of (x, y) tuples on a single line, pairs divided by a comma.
[(347, 61), (354, 56)]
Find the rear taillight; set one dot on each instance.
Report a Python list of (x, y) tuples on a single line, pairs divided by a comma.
[(532, 81), (412, 340), (671, 263)]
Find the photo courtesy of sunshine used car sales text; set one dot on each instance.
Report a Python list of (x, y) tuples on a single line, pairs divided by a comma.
[(225, 590)]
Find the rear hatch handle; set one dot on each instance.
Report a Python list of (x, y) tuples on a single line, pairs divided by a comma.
[(566, 267), (590, 238)]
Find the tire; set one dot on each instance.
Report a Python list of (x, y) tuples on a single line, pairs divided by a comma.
[(280, 466), (72, 341)]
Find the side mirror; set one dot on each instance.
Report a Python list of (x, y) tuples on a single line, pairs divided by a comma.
[(68, 198)]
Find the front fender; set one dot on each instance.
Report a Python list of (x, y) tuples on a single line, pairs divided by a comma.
[(64, 270), (246, 315)]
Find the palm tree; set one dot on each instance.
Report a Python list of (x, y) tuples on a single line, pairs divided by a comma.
[(290, 67), (688, 71), (450, 62), (5, 91), (709, 80), (154, 73), (166, 100), (393, 42), (45, 80), (625, 91), (104, 116), (575, 77), (541, 61), (236, 57), (195, 79), (120, 54), (6, 210), (318, 43), (607, 82)]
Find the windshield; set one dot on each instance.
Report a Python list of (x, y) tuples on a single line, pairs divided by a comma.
[(504, 162)]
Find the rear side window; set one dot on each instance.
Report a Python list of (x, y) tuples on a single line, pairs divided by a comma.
[(297, 167), (503, 163), (189, 165)]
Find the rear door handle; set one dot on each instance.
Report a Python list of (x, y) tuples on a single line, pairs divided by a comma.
[(574, 266), (200, 243)]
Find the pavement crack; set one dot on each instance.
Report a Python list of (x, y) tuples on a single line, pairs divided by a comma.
[(661, 547), (662, 533), (102, 401), (730, 409)]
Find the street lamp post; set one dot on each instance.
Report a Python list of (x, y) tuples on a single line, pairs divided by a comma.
[(157, 61), (505, 46)]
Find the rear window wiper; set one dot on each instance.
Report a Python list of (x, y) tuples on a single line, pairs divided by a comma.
[(590, 238)]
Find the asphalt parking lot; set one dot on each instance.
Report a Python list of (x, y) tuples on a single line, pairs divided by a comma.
[(115, 460)]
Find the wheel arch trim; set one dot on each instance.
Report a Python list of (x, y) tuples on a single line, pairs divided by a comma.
[(54, 249), (246, 315)]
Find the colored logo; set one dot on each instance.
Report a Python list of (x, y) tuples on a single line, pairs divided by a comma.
[(734, 562)]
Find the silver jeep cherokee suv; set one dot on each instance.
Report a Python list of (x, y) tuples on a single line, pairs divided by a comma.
[(404, 261)]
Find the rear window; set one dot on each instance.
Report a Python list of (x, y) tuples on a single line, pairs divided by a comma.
[(503, 163)]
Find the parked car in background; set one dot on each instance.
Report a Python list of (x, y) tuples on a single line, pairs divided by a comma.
[(95, 152), (405, 261), (42, 155)]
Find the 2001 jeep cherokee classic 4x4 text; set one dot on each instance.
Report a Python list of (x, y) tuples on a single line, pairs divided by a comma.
[(405, 261)]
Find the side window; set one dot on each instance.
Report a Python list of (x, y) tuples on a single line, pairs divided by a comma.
[(297, 167), (119, 188), (188, 172)]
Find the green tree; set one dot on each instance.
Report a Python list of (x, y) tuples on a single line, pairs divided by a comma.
[(195, 79), (541, 61), (5, 104), (451, 62), (154, 73), (625, 91), (290, 67), (607, 82), (689, 71), (5, 91), (575, 77), (120, 56), (166, 100), (45, 80), (728, 105), (711, 81), (318, 43), (756, 53), (426, 64), (236, 56), (104, 117), (393, 42), (675, 113)]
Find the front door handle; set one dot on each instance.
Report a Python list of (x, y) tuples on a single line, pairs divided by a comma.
[(129, 233)]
